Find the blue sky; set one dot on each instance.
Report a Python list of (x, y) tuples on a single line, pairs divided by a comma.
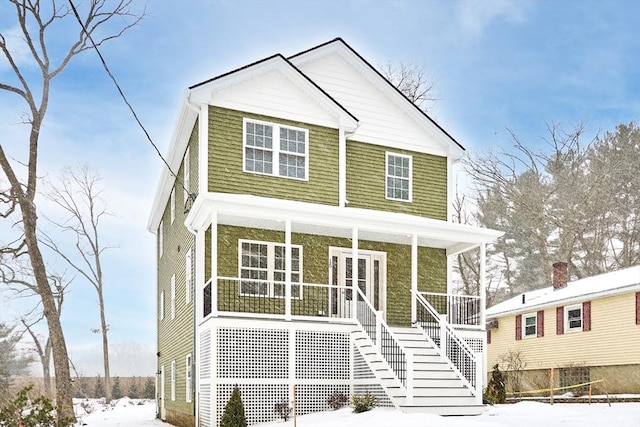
[(496, 65)]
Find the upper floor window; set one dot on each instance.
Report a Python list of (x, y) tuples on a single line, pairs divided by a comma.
[(573, 318), (173, 205), (265, 264), (530, 325), (274, 149), (398, 177), (161, 238)]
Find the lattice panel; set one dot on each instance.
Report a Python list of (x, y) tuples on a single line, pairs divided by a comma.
[(322, 355), (360, 368), (475, 344), (204, 405), (253, 353), (314, 397), (377, 391), (205, 354), (259, 400)]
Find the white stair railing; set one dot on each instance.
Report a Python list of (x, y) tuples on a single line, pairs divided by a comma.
[(451, 345)]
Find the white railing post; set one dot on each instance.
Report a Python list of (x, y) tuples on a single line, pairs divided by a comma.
[(443, 337), (378, 340), (409, 378), (482, 290), (479, 377), (214, 296), (214, 263), (354, 272)]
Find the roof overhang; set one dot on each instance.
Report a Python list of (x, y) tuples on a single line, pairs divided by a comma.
[(272, 214)]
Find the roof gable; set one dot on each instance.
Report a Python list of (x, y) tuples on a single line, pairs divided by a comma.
[(274, 87), (386, 116)]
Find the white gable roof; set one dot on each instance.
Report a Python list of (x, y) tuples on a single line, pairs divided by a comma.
[(616, 282), (386, 117)]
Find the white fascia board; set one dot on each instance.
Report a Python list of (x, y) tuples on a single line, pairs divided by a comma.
[(590, 296), (333, 217), (450, 147), (206, 92), (177, 145)]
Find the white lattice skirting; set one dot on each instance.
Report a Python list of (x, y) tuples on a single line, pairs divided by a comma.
[(267, 358)]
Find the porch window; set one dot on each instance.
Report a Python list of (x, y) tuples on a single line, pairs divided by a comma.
[(264, 264), (573, 318), (276, 150), (530, 325), (398, 177)]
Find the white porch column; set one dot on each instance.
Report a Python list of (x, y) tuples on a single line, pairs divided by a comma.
[(354, 272), (414, 277), (287, 269), (482, 285), (342, 168), (199, 280), (449, 274), (214, 263)]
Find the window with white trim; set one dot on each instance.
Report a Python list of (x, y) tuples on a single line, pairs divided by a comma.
[(274, 149), (186, 169), (161, 238), (398, 177), (173, 205), (573, 318), (188, 273), (189, 378), (173, 380), (530, 325), (161, 306), (173, 297), (264, 264)]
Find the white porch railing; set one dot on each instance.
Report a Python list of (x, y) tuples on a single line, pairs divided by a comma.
[(451, 345), (460, 310)]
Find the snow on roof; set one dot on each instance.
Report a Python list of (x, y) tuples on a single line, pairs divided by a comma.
[(612, 283)]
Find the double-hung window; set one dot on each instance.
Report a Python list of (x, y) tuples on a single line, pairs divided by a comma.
[(263, 269), (573, 318), (186, 175), (274, 149), (189, 379), (398, 177), (530, 325)]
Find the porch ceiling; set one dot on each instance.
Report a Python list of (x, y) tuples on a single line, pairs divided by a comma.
[(272, 214)]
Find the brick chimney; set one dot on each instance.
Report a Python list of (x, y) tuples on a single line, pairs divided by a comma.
[(560, 275)]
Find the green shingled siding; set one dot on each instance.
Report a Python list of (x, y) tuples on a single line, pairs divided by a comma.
[(226, 156), (175, 336), (315, 255), (366, 187)]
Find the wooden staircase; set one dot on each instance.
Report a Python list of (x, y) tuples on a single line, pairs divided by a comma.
[(434, 386)]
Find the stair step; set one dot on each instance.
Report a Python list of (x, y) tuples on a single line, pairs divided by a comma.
[(455, 410), (437, 401)]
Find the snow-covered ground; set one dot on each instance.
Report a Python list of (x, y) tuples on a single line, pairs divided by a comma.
[(130, 413)]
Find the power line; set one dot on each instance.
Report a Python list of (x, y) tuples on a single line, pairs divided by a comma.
[(124, 98)]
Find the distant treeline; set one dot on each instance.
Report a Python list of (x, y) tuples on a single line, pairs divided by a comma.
[(93, 387)]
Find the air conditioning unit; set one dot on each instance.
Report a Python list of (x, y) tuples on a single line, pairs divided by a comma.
[(492, 324)]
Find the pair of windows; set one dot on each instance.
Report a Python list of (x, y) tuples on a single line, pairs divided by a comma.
[(188, 379), (263, 269), (188, 268), (568, 319), (277, 150)]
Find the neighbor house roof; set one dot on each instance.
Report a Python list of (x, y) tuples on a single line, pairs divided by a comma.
[(615, 282)]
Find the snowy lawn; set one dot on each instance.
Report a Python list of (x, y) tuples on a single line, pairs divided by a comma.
[(128, 413)]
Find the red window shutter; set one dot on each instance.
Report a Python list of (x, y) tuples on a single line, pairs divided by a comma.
[(637, 308), (586, 316), (518, 327), (488, 336), (559, 320), (540, 323)]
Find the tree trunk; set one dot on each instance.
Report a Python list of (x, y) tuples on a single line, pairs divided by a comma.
[(105, 349)]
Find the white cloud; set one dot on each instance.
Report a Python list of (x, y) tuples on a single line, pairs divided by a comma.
[(476, 15)]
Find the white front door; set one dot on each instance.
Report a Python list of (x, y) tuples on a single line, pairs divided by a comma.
[(371, 280)]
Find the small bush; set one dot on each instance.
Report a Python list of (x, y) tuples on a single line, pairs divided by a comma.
[(363, 403), (337, 400), (496, 391), (234, 411), (283, 410), (26, 412)]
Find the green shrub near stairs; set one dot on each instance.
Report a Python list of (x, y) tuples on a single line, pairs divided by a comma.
[(363, 403), (496, 391)]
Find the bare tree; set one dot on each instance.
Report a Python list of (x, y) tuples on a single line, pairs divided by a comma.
[(411, 81), (79, 195), (35, 21)]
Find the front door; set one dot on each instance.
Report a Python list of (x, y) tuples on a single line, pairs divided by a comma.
[(371, 274)]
